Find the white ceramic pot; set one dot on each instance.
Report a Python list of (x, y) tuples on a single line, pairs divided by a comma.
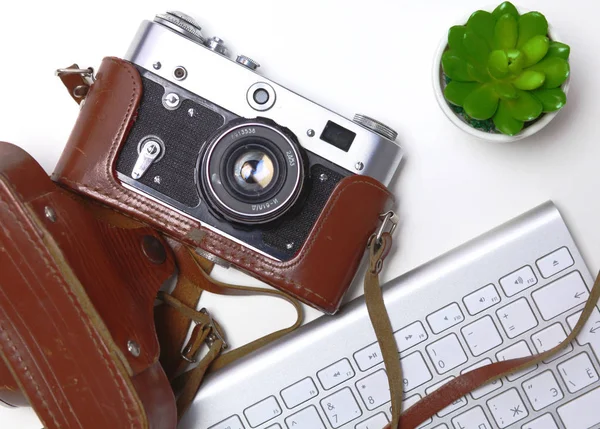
[(457, 120)]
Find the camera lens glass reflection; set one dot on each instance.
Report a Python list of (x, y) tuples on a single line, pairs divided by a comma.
[(254, 171)]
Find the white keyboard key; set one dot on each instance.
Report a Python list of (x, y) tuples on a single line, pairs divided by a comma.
[(544, 422), (308, 418), (232, 422), (582, 412), (409, 402), (335, 374), (442, 426), (561, 295), (517, 318), (555, 262), (507, 408), (486, 389), (263, 411), (578, 372), (445, 318), (368, 357), (374, 389), (299, 393), (446, 354), (542, 390), (481, 299), (481, 336), (341, 408), (378, 421), (549, 338), (590, 333), (459, 403), (275, 426), (473, 419), (518, 350), (414, 371), (518, 281), (410, 336)]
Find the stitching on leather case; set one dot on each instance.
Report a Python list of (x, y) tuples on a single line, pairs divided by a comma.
[(126, 198), (84, 320), (24, 369), (242, 261)]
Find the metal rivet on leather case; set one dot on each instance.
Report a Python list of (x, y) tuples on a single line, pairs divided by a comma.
[(153, 249)]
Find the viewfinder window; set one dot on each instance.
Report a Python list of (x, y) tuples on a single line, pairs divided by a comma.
[(338, 136)]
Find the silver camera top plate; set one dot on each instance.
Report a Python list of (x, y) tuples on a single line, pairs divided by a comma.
[(226, 83)]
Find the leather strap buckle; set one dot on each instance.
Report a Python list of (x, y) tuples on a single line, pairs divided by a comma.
[(87, 73), (211, 333), (215, 333), (77, 80), (389, 223)]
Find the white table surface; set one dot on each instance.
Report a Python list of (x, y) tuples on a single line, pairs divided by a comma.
[(370, 57)]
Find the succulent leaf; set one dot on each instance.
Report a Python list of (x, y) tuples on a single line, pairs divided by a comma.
[(481, 103), (535, 49), (504, 121), (506, 90), (506, 32), (531, 24), (476, 46), (455, 67), (482, 23), (506, 8), (456, 92), (456, 36), (516, 59), (558, 49), (498, 64), (478, 73), (552, 99), (529, 80), (556, 70), (525, 107)]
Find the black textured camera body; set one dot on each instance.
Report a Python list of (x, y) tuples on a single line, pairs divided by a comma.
[(174, 179)]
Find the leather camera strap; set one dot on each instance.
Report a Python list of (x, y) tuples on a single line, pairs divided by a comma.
[(457, 387), (172, 321), (172, 326), (195, 275)]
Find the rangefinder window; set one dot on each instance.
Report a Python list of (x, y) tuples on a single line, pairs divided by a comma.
[(338, 136)]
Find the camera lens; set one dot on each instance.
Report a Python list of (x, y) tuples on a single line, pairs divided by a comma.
[(252, 171)]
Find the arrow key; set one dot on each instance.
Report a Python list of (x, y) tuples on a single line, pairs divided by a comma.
[(561, 295), (590, 334)]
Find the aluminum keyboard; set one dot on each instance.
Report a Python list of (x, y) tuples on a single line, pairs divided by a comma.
[(514, 291)]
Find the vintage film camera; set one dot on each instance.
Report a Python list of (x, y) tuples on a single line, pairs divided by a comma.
[(253, 163)]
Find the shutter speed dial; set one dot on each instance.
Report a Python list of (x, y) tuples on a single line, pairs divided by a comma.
[(181, 23), (247, 62), (376, 126)]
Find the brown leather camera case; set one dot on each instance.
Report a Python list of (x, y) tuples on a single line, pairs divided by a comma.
[(77, 336), (319, 274)]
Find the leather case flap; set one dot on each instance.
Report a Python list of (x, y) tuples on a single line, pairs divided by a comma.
[(73, 292)]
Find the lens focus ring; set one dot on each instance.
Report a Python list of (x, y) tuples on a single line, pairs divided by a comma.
[(252, 172)]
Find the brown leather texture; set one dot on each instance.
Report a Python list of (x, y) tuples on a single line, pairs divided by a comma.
[(323, 269), (10, 394), (73, 292)]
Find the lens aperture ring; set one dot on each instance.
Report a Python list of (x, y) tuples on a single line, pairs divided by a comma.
[(252, 171)]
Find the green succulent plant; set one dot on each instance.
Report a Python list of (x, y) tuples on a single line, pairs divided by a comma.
[(502, 66)]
